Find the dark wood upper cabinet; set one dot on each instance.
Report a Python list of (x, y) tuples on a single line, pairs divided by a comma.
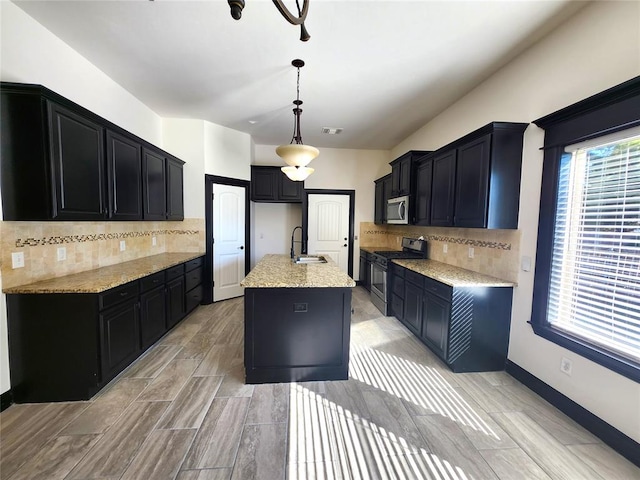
[(270, 185), (154, 185), (472, 183), (402, 182), (124, 174), (78, 165), (442, 189), (60, 161), (476, 179), (424, 179), (383, 193), (175, 191)]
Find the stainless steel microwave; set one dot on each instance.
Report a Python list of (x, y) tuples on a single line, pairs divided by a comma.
[(398, 210)]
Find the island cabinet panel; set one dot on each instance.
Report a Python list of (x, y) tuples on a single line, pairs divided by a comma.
[(297, 334)]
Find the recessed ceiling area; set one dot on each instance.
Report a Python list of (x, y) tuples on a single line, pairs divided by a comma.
[(378, 69)]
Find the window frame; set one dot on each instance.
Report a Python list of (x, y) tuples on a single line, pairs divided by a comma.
[(611, 111)]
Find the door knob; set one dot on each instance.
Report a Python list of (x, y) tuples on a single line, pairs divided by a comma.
[(345, 245), (240, 248)]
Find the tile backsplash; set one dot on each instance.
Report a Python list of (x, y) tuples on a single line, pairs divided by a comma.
[(495, 252), (89, 245)]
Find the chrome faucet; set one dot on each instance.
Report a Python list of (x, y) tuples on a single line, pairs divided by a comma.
[(292, 242)]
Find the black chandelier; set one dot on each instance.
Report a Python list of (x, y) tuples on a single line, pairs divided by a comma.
[(237, 6)]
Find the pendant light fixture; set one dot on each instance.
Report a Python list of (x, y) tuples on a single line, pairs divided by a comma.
[(297, 155), (236, 7)]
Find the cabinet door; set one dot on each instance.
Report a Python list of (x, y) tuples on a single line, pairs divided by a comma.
[(394, 191), (119, 338), (78, 166), (288, 190), (152, 316), (380, 204), (472, 183), (175, 195), (442, 190), (413, 306), (175, 301), (264, 183), (154, 185), (404, 187), (124, 174), (435, 323), (424, 176)]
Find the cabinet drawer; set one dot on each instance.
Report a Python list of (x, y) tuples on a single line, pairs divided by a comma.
[(194, 297), (437, 288), (193, 279), (398, 286), (175, 272), (193, 264), (117, 295), (398, 271), (414, 278), (152, 281)]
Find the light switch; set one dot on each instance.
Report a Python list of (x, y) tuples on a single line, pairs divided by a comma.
[(526, 264), (472, 252), (445, 248), (62, 253), (154, 242), (17, 259), (123, 246)]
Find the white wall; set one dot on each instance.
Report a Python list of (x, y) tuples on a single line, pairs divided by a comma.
[(595, 50), (228, 153), (31, 54), (335, 169)]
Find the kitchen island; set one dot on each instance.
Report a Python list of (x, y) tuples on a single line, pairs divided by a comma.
[(297, 321)]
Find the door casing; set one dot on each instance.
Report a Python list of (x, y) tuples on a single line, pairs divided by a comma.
[(209, 180), (305, 218)]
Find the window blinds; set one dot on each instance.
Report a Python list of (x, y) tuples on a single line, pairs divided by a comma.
[(595, 274)]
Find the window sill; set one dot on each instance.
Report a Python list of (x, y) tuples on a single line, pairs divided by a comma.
[(616, 363)]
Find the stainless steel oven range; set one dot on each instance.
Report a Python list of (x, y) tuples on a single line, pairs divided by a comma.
[(411, 248)]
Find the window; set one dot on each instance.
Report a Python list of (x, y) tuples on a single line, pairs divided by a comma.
[(594, 292), (587, 279)]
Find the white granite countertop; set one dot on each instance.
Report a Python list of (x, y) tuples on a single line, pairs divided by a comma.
[(279, 271), (452, 276)]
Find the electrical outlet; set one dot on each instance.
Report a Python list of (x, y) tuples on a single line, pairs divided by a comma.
[(123, 246), (445, 248), (566, 366), (472, 253), (62, 253), (17, 259), (154, 242)]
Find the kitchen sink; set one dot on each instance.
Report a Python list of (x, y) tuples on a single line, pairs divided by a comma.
[(310, 259)]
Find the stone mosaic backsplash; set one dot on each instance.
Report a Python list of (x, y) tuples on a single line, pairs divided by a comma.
[(89, 245), (496, 252)]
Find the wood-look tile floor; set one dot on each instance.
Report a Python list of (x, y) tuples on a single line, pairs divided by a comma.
[(183, 412)]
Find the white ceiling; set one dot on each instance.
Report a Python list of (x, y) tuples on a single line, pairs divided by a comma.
[(378, 69)]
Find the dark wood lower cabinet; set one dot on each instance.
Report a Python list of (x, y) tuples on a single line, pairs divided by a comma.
[(67, 346), (467, 327), (119, 338), (153, 316), (297, 334)]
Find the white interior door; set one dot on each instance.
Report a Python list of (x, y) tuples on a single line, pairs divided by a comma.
[(228, 241), (328, 227)]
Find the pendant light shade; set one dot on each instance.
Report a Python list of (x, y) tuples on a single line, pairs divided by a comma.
[(297, 174), (296, 154)]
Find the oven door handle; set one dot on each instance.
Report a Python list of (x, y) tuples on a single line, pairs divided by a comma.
[(401, 210)]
